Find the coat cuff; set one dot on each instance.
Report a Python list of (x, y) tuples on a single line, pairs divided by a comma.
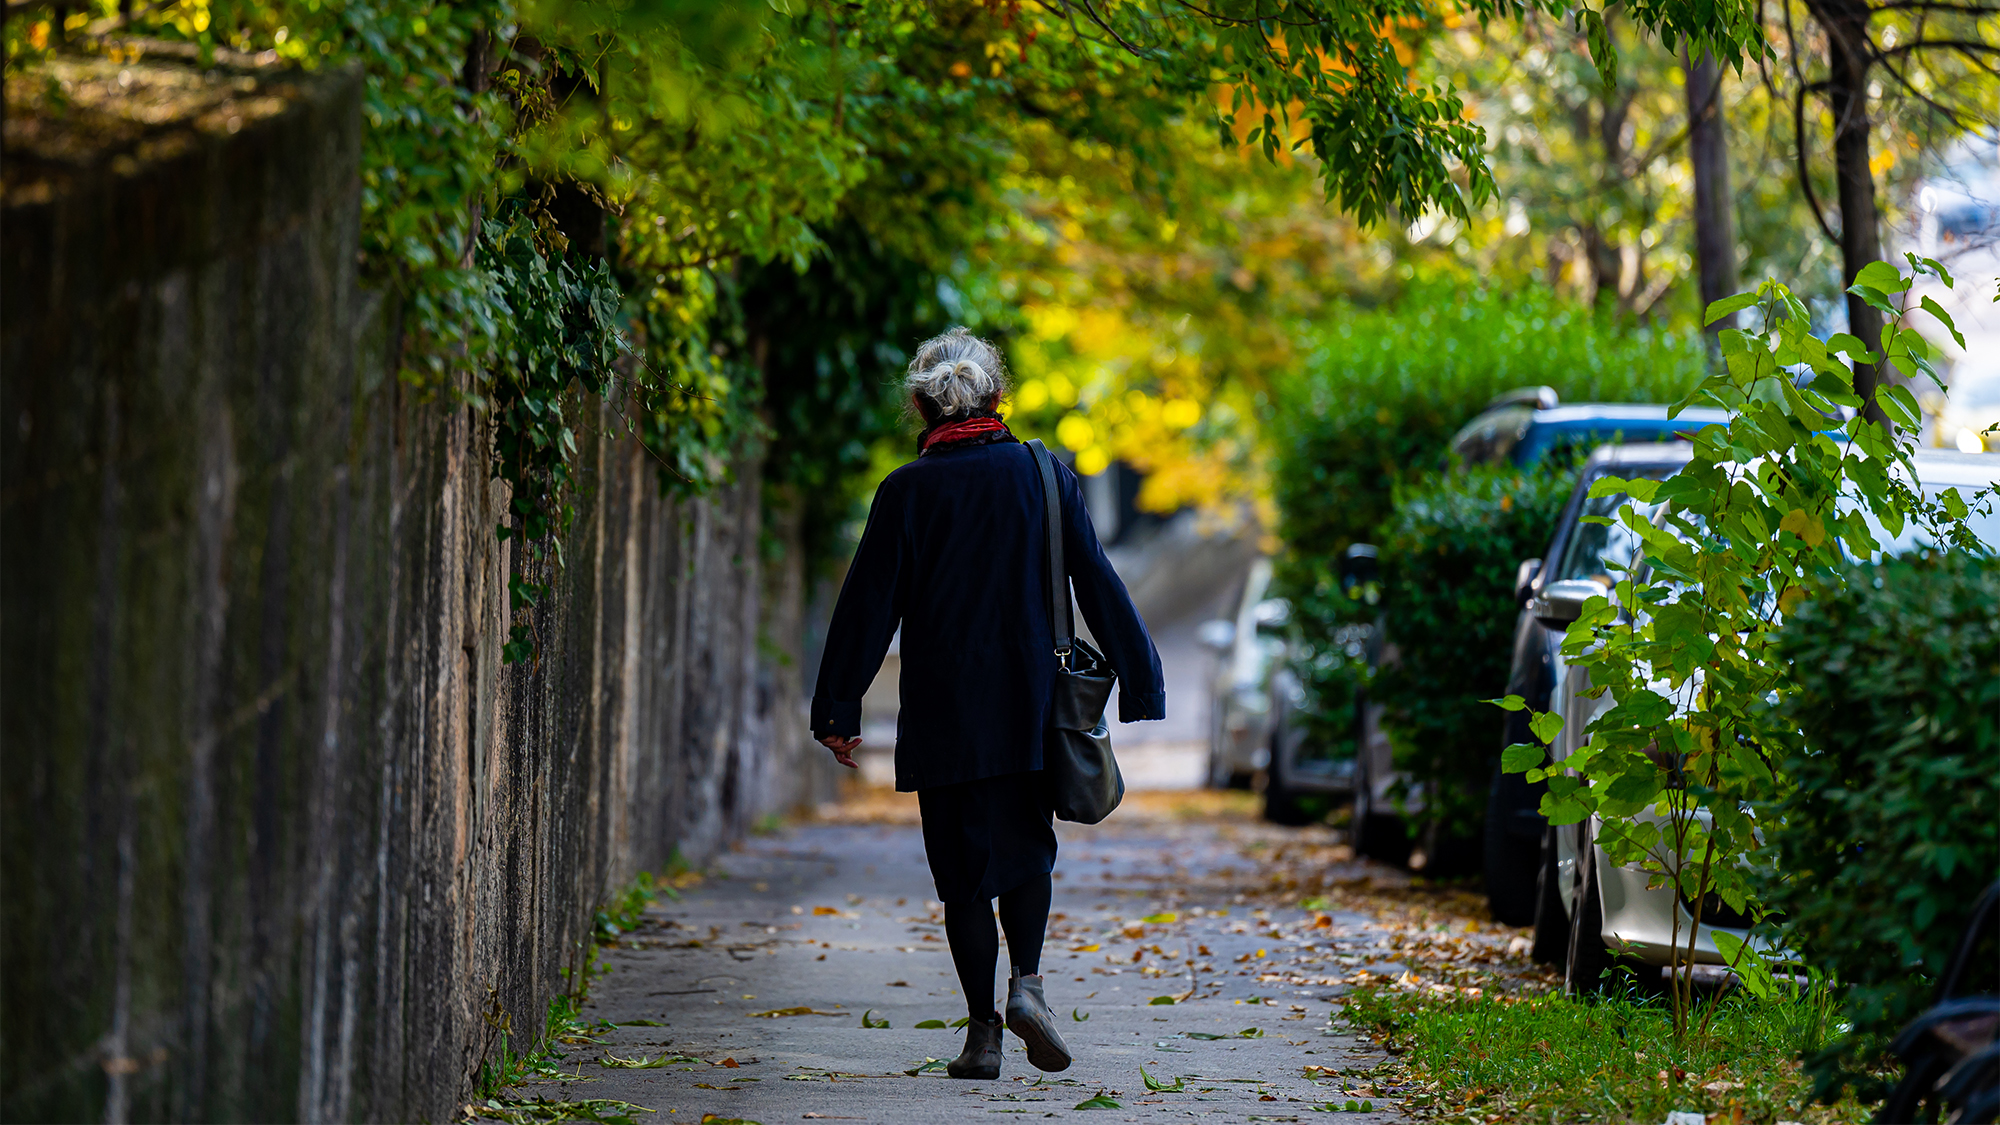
[(1136, 708), (832, 717)]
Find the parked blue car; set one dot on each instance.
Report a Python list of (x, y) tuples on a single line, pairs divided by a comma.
[(1523, 426)]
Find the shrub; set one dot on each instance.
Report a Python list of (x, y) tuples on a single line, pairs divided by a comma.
[(1449, 557), (1893, 826), (1374, 407), (1383, 390)]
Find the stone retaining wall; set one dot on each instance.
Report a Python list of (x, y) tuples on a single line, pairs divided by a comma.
[(284, 840)]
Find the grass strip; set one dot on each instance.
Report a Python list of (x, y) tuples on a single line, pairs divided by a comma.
[(1500, 1058)]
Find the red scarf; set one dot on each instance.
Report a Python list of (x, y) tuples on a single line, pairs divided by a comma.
[(961, 430)]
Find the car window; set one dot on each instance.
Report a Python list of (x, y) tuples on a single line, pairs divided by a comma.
[(1574, 444), (1593, 548), (1492, 436)]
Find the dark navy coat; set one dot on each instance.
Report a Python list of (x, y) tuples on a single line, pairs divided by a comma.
[(954, 553)]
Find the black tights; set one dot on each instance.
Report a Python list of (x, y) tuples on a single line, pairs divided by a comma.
[(975, 944)]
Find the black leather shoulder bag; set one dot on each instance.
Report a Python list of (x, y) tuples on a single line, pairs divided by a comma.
[(1083, 778)]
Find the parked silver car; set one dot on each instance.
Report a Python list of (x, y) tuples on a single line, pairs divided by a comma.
[(1588, 913), (1255, 736), (1248, 646)]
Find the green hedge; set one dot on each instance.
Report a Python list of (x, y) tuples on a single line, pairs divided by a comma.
[(1372, 410), (1893, 827), (1383, 390), (1449, 560)]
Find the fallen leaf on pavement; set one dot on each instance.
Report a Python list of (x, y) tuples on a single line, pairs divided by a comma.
[(929, 1064), (642, 1063), (1098, 1102), (1159, 1087), (801, 1010)]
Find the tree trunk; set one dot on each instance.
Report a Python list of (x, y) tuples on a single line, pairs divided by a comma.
[(1846, 25), (1708, 154)]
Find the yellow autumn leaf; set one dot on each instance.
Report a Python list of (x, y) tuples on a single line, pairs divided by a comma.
[(1805, 525)]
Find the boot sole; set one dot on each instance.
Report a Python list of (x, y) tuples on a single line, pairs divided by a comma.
[(1042, 1054)]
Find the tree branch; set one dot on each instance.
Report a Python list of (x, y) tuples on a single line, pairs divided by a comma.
[(1805, 176), (1948, 113), (1970, 46), (1937, 6)]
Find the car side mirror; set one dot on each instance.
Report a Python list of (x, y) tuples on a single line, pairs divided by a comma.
[(1273, 613), (1560, 603), (1524, 578), (1218, 636)]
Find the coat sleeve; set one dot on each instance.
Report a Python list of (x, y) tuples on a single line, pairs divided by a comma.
[(1108, 610), (864, 619)]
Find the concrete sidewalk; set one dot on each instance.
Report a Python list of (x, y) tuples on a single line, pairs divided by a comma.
[(836, 921)]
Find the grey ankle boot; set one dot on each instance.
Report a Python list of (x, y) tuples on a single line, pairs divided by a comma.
[(1028, 1017), (981, 1057)]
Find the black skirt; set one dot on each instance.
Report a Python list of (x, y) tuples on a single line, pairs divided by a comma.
[(987, 837)]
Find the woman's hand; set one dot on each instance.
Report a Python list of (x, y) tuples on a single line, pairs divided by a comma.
[(843, 749)]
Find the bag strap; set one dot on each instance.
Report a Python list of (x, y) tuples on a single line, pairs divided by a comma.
[(1060, 621)]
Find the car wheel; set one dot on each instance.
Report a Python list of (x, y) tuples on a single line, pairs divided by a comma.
[(1281, 804), (1220, 776), (1589, 959), (1551, 944), (1379, 835), (1513, 865)]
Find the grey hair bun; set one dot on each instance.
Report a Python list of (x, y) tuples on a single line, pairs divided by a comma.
[(957, 373)]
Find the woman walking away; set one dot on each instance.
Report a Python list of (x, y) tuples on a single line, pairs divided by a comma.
[(955, 553)]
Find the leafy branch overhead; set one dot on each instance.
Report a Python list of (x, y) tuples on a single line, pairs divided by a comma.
[(1335, 76)]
